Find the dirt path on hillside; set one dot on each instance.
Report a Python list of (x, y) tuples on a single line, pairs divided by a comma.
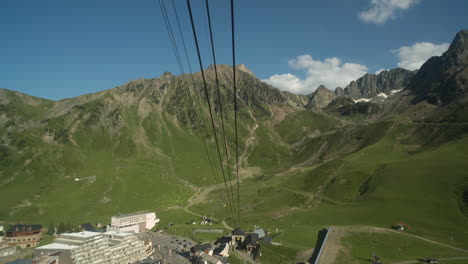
[(106, 199), (227, 226), (304, 256), (190, 203), (333, 246), (312, 196), (249, 143)]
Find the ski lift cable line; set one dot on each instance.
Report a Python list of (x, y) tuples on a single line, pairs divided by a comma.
[(207, 97), (171, 36), (219, 99), (176, 51), (235, 107), (208, 151)]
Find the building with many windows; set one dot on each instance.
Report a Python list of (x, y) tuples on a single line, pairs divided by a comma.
[(24, 236), (136, 222), (95, 248)]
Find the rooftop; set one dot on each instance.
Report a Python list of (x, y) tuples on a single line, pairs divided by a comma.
[(84, 234), (21, 228), (238, 232), (202, 247), (58, 246), (132, 214), (260, 232), (211, 259), (113, 233)]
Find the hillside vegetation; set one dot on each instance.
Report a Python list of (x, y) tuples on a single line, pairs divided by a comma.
[(148, 145)]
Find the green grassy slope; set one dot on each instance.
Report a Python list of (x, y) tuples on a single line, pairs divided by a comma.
[(137, 147), (380, 185), (359, 247)]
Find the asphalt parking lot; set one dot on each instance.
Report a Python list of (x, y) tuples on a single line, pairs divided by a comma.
[(170, 249)]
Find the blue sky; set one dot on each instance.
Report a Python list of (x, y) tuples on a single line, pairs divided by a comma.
[(57, 49)]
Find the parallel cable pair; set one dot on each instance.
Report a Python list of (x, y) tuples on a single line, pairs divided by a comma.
[(229, 191), (198, 115)]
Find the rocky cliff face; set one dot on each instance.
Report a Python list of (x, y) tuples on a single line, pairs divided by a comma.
[(370, 85), (339, 91), (320, 98), (297, 100), (442, 79)]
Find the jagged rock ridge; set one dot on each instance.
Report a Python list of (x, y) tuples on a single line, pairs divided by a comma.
[(370, 85), (442, 79)]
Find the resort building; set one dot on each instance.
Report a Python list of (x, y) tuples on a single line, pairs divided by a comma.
[(136, 222), (24, 236), (96, 248)]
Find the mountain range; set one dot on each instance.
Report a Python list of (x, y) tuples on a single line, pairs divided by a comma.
[(148, 144)]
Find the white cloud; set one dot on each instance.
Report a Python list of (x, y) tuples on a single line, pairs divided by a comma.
[(287, 82), (381, 11), (330, 72), (413, 57)]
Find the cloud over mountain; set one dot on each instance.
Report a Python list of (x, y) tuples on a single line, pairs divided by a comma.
[(330, 72), (413, 57)]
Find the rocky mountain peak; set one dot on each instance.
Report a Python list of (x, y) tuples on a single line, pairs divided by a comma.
[(460, 40), (167, 75), (321, 89), (443, 79), (458, 50), (320, 98), (243, 68)]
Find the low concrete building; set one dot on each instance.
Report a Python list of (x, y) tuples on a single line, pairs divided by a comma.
[(7, 249), (97, 248), (136, 222), (24, 236)]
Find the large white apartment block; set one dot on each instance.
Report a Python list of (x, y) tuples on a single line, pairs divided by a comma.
[(136, 222), (95, 248)]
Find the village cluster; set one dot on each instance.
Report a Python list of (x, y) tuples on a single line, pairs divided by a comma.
[(127, 239)]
